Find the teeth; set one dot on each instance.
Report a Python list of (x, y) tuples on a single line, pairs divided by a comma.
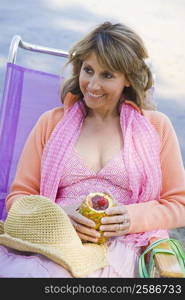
[(94, 95)]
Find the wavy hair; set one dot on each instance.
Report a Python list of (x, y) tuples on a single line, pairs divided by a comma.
[(119, 49)]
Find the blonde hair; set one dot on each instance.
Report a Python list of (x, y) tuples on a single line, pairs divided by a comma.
[(119, 49)]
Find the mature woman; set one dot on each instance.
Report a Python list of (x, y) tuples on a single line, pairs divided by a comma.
[(108, 138)]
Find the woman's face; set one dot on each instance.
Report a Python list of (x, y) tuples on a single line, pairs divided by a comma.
[(101, 88)]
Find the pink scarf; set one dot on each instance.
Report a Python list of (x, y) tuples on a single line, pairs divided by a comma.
[(141, 156)]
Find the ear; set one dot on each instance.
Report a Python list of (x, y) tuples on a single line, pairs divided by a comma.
[(127, 83)]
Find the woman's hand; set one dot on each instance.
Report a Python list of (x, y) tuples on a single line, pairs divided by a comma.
[(84, 226), (117, 222)]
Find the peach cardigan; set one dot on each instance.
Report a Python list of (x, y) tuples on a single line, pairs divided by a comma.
[(167, 213)]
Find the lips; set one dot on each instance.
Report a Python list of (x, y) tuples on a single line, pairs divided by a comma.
[(95, 96)]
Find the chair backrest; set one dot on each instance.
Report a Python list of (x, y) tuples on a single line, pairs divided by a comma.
[(27, 94)]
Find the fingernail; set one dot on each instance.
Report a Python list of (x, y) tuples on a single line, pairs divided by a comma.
[(103, 220), (101, 227)]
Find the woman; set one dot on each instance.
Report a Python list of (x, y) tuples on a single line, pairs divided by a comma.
[(106, 138)]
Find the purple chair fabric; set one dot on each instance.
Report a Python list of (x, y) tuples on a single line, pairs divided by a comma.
[(27, 94)]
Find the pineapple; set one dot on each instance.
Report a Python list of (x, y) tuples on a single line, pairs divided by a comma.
[(93, 207)]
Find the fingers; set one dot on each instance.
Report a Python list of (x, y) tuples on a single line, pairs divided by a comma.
[(87, 238), (117, 222), (112, 220), (86, 233), (83, 220), (84, 227), (116, 210), (115, 229), (74, 214), (116, 215)]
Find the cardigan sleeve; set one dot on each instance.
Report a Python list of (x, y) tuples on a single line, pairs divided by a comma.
[(27, 178), (169, 211)]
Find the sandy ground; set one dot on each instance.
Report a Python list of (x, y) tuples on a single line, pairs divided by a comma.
[(59, 23)]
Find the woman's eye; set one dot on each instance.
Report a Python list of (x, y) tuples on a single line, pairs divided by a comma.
[(87, 70), (107, 75)]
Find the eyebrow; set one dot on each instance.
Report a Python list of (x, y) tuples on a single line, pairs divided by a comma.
[(104, 71)]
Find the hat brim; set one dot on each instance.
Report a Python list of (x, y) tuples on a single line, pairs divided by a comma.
[(80, 261)]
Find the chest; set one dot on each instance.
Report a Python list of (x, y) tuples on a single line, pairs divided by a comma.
[(97, 145)]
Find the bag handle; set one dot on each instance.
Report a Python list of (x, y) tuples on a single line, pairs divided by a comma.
[(177, 250)]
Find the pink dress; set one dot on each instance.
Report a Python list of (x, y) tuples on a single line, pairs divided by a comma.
[(77, 181)]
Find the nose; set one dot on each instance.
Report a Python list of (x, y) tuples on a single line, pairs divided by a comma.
[(94, 83)]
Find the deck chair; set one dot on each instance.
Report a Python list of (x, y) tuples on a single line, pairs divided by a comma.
[(27, 94)]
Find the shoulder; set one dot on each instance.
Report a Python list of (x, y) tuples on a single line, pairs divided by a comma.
[(163, 125), (52, 116), (159, 120), (47, 122), (155, 116)]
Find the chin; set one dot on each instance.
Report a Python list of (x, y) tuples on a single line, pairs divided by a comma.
[(92, 105)]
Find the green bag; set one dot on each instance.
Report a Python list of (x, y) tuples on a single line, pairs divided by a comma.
[(177, 250)]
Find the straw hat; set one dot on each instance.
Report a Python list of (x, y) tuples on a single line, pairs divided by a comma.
[(36, 224)]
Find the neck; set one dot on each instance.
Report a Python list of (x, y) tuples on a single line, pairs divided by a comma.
[(102, 115)]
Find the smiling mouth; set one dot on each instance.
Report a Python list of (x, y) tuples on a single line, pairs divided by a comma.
[(95, 96)]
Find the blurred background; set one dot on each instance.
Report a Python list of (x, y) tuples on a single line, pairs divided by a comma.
[(60, 23)]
